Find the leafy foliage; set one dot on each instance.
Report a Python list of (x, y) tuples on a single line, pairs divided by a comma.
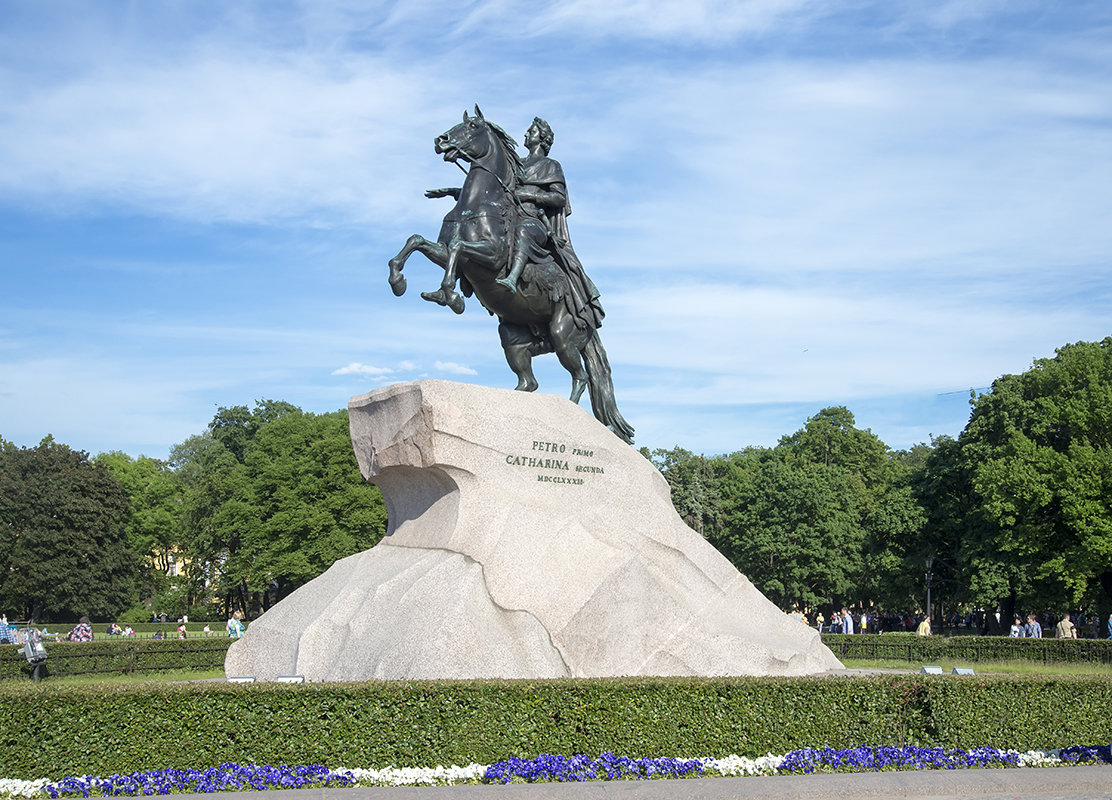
[(63, 542), (120, 655), (1019, 505), (272, 498), (823, 518), (154, 524), (446, 722)]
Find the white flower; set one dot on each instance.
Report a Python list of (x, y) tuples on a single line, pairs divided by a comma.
[(416, 776), (10, 787), (740, 765), (1038, 758)]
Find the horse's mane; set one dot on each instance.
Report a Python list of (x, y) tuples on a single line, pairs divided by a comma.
[(510, 147)]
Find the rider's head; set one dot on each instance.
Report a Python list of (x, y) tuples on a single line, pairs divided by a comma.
[(544, 133)]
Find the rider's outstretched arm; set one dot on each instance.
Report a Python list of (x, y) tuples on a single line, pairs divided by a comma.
[(450, 192)]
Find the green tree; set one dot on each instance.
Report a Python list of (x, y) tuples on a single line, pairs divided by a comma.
[(1038, 456), (313, 503), (831, 438), (890, 518), (154, 525), (214, 484), (63, 538), (826, 516), (694, 484), (273, 498), (793, 528)]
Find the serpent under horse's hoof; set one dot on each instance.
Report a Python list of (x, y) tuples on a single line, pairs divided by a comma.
[(448, 298)]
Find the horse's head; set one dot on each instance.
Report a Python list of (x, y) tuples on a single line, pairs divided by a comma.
[(476, 140)]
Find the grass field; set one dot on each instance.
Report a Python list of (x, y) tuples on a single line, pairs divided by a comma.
[(994, 668), (169, 676), (987, 667)]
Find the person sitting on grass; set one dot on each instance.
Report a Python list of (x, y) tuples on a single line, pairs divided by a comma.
[(82, 631)]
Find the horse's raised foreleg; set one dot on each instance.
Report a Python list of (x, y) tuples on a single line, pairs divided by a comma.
[(433, 251), (446, 295)]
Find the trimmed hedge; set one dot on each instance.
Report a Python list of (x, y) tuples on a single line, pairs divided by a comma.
[(53, 732), (975, 649), (118, 655)]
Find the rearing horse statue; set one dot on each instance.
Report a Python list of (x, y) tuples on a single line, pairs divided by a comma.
[(544, 313)]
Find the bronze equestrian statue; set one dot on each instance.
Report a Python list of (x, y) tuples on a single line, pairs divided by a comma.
[(506, 242)]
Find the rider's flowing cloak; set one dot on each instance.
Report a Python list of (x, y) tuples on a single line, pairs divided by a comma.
[(582, 301)]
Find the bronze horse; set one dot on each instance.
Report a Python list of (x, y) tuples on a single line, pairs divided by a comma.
[(474, 247)]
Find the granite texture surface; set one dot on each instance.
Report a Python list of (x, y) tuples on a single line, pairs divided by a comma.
[(525, 541)]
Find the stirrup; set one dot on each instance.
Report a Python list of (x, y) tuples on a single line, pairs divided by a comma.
[(511, 285)]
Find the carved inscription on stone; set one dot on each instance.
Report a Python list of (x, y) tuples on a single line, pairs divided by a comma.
[(557, 462)]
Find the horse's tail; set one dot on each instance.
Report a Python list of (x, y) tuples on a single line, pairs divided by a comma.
[(601, 387)]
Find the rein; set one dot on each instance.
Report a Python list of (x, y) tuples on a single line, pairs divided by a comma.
[(505, 189)]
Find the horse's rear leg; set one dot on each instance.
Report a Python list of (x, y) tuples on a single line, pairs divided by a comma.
[(520, 346), (568, 340)]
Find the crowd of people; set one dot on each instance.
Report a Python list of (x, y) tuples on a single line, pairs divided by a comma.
[(1028, 626), (83, 630)]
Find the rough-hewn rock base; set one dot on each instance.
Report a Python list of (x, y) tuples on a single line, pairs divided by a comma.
[(525, 541)]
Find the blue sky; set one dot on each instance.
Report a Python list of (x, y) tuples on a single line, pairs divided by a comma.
[(786, 204)]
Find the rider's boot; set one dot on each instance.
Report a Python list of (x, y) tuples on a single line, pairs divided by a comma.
[(510, 281), (445, 297)]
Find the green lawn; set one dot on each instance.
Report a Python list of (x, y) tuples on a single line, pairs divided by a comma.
[(123, 680), (987, 667)]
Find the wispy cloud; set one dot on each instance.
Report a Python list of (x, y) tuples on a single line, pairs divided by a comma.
[(355, 368), (784, 202), (452, 368)]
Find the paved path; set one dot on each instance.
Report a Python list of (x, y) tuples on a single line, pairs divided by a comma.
[(1053, 783)]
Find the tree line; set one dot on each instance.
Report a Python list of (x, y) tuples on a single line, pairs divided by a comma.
[(238, 517), (1014, 513)]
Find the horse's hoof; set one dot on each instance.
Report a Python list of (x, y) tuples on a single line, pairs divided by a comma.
[(444, 297), (397, 284)]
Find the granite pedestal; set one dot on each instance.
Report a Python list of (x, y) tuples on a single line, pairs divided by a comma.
[(525, 541)]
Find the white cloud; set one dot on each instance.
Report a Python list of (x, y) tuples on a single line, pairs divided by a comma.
[(355, 368), (452, 368), (827, 215), (697, 20)]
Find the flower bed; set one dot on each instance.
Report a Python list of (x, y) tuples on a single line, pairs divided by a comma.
[(545, 768)]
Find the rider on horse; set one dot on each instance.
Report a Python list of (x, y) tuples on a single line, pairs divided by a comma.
[(541, 193)]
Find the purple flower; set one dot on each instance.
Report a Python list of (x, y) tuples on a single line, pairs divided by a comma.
[(225, 778)]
